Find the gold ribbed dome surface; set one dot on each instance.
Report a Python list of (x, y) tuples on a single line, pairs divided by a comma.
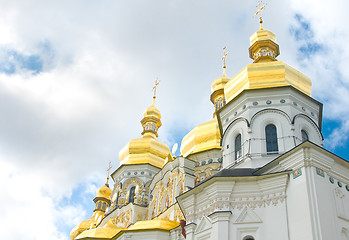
[(266, 71), (157, 223), (106, 232), (219, 83), (145, 150), (205, 136), (267, 75), (81, 227), (152, 111), (104, 192)]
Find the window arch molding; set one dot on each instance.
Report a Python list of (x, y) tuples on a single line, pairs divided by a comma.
[(269, 110), (302, 121), (234, 123)]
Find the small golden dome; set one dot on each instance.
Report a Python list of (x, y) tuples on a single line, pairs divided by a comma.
[(152, 111), (217, 96), (205, 136), (263, 46), (147, 149), (151, 120), (104, 192)]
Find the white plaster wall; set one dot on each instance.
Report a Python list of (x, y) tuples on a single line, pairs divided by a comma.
[(289, 110)]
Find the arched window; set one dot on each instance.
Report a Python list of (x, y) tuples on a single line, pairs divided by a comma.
[(104, 206), (99, 205), (304, 135), (131, 197), (238, 146), (271, 139)]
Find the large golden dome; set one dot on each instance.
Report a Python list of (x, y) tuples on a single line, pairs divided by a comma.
[(83, 226), (147, 149), (266, 71), (108, 231), (205, 136)]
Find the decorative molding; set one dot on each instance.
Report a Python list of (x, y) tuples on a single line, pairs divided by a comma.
[(203, 225), (248, 216)]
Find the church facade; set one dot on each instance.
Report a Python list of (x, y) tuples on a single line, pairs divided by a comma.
[(257, 170)]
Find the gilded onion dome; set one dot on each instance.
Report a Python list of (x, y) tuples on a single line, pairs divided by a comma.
[(104, 192), (205, 136), (266, 71), (217, 96), (102, 201), (147, 149)]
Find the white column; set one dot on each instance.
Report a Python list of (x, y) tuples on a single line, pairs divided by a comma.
[(189, 230), (220, 225)]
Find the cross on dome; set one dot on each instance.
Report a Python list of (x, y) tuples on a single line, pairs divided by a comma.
[(108, 170), (259, 12), (154, 88)]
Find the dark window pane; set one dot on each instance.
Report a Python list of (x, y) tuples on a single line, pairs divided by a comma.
[(304, 136), (131, 198), (271, 139), (238, 146)]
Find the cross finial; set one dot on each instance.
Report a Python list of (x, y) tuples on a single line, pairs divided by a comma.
[(259, 12), (154, 88), (108, 170), (224, 56)]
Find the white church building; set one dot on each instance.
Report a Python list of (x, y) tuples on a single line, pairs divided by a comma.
[(257, 171)]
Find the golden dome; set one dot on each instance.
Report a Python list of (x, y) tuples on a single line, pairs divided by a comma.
[(205, 136), (104, 192), (147, 149), (108, 231), (263, 46), (217, 96), (156, 223), (266, 71), (151, 120), (83, 226)]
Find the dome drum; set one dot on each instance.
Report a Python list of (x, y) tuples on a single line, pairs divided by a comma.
[(265, 49)]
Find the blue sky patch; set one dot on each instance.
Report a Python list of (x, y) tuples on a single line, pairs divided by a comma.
[(13, 61), (304, 34)]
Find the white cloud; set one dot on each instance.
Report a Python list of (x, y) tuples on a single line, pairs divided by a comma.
[(61, 127)]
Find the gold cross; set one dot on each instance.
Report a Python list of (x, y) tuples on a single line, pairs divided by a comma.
[(108, 170), (259, 12), (224, 56), (154, 88), (260, 9)]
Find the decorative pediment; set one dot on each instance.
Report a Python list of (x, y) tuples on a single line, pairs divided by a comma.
[(248, 216), (204, 224)]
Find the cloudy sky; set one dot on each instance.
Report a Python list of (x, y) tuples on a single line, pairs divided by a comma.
[(76, 77)]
